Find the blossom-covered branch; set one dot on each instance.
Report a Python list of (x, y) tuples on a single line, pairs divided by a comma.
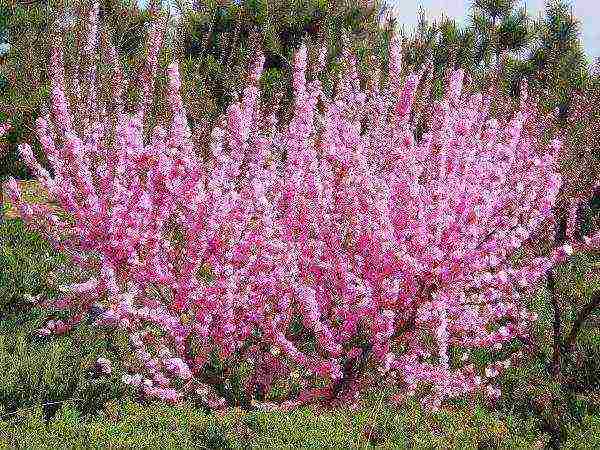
[(367, 239)]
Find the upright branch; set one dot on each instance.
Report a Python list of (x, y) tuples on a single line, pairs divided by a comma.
[(582, 316)]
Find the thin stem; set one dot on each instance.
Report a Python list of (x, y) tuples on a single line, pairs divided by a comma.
[(581, 317)]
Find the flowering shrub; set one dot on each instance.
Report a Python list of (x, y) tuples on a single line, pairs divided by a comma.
[(334, 250)]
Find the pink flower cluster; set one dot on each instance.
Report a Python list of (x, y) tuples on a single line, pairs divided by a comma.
[(56, 327), (378, 246), (4, 128)]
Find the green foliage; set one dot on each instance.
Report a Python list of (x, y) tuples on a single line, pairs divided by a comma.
[(128, 424), (557, 55), (513, 32), (26, 262), (44, 371), (37, 370), (22, 74), (547, 53)]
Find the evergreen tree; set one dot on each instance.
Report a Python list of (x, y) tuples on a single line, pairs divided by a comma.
[(216, 41), (22, 75), (558, 59), (502, 34)]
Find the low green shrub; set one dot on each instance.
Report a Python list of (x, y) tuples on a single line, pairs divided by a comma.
[(29, 266), (125, 424), (38, 370)]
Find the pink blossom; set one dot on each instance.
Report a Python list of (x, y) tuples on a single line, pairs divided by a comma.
[(177, 367), (4, 128), (356, 235)]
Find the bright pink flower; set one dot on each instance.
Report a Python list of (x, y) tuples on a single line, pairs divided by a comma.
[(356, 235)]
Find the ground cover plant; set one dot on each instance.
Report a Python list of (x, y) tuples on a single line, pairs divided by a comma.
[(299, 262), (126, 424)]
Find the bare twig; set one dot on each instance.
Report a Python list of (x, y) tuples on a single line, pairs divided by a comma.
[(425, 292), (581, 317)]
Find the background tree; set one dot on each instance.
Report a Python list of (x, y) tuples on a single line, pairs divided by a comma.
[(498, 27), (27, 28), (22, 76), (216, 40), (558, 58)]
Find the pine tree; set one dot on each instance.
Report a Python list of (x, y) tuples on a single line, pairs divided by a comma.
[(216, 40), (558, 57), (499, 29), (22, 76)]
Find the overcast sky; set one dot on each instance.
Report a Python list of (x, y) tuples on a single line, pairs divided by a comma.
[(587, 11)]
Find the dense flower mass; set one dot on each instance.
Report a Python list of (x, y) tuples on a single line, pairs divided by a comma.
[(4, 128), (310, 250)]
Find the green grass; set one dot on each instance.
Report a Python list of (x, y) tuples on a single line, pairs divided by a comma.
[(128, 424), (36, 370), (29, 266), (32, 192)]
